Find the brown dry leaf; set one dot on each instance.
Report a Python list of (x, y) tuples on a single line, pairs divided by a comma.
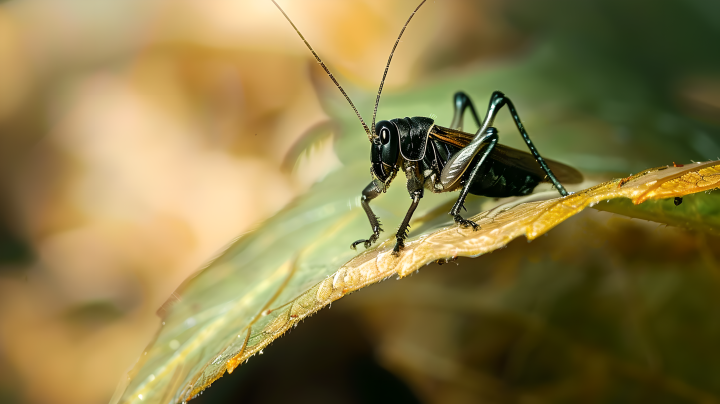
[(498, 227)]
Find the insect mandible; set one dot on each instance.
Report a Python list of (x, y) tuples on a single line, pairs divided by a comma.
[(445, 159)]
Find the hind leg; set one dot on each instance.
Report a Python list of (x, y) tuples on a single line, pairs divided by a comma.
[(503, 100), (490, 137), (460, 162), (461, 102)]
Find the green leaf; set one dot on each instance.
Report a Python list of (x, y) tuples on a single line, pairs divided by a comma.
[(254, 292)]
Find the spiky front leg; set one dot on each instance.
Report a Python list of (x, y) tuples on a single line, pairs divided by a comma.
[(369, 193), (402, 232), (415, 181)]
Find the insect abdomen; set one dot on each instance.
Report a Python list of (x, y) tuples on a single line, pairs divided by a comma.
[(498, 180)]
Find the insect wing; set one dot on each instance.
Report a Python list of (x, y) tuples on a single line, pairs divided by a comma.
[(520, 159), (510, 156), (454, 137)]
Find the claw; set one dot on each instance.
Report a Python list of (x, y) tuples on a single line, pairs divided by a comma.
[(367, 243), (466, 223)]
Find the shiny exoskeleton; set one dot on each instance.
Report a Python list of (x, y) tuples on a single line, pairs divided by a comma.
[(443, 159), (447, 159)]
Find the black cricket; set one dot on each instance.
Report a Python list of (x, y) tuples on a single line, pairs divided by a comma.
[(442, 159)]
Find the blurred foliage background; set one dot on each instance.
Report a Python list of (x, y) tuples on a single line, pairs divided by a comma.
[(139, 137)]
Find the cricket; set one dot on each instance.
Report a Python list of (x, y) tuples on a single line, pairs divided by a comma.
[(447, 159)]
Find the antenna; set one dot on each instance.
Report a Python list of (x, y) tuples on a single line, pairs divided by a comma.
[(367, 130), (377, 101)]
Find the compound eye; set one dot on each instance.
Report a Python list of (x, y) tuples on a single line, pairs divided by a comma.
[(384, 135)]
